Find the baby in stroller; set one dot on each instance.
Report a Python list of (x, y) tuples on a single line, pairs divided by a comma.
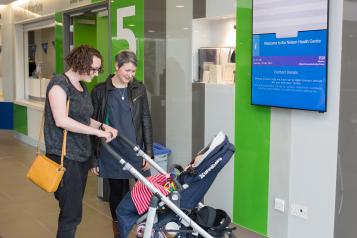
[(136, 202), (196, 179)]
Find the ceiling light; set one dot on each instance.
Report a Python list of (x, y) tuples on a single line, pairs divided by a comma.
[(180, 6)]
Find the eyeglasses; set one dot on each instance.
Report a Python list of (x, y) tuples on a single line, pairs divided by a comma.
[(96, 70)]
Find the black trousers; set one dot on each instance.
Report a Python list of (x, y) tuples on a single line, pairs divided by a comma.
[(118, 189), (70, 196)]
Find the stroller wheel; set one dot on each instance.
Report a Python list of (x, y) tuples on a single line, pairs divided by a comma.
[(140, 230), (231, 234)]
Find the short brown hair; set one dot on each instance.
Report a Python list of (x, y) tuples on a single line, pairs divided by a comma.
[(125, 56), (80, 59)]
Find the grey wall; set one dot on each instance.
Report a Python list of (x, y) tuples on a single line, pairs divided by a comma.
[(346, 194), (179, 81), (155, 65)]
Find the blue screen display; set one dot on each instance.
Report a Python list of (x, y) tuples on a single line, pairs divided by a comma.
[(290, 72)]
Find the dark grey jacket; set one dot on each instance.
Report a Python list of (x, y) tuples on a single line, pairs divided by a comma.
[(140, 113)]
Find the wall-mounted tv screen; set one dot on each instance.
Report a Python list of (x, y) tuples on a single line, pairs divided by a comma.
[(289, 54)]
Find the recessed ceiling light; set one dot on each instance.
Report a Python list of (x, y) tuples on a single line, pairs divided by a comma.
[(151, 31), (180, 6), (186, 28)]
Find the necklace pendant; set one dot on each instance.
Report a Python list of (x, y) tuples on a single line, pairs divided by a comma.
[(122, 97)]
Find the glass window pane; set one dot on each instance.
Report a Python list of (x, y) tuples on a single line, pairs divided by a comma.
[(40, 61)]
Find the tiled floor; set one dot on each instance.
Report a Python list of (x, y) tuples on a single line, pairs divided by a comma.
[(26, 211)]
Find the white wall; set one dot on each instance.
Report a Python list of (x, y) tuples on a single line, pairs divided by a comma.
[(7, 53), (220, 8), (219, 116), (303, 156), (24, 10)]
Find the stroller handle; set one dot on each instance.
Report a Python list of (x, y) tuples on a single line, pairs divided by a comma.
[(147, 158), (127, 141), (139, 152)]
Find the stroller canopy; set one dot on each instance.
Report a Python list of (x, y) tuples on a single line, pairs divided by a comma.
[(215, 156)]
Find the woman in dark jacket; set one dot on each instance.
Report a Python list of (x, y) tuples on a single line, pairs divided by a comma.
[(121, 102)]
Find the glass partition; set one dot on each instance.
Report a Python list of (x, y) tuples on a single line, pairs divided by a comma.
[(40, 61)]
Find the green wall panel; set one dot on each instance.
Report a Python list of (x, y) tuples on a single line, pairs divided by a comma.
[(59, 42), (20, 119), (102, 45), (252, 136), (134, 24), (85, 33)]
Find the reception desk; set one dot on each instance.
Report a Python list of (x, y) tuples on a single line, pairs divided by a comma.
[(37, 87)]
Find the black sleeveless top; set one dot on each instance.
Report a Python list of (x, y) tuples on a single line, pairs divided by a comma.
[(81, 110)]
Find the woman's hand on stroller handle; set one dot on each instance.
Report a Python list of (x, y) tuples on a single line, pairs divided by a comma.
[(95, 170), (113, 132), (106, 136), (146, 165)]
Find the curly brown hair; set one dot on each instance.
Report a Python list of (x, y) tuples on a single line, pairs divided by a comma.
[(80, 59)]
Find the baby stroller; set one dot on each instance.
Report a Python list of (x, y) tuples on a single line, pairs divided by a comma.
[(189, 217)]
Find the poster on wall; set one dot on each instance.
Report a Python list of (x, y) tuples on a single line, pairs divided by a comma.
[(289, 54)]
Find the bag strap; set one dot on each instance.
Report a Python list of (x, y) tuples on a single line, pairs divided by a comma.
[(64, 142)]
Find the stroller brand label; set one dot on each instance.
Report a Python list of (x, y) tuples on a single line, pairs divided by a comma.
[(203, 174)]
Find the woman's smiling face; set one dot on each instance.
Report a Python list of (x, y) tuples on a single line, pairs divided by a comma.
[(126, 72)]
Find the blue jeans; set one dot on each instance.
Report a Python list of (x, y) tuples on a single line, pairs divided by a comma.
[(127, 215)]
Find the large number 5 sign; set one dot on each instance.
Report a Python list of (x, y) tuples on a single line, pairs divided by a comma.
[(128, 29), (125, 33)]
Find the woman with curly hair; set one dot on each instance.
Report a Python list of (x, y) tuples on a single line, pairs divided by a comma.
[(84, 63)]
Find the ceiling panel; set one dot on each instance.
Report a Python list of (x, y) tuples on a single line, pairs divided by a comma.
[(3, 2)]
